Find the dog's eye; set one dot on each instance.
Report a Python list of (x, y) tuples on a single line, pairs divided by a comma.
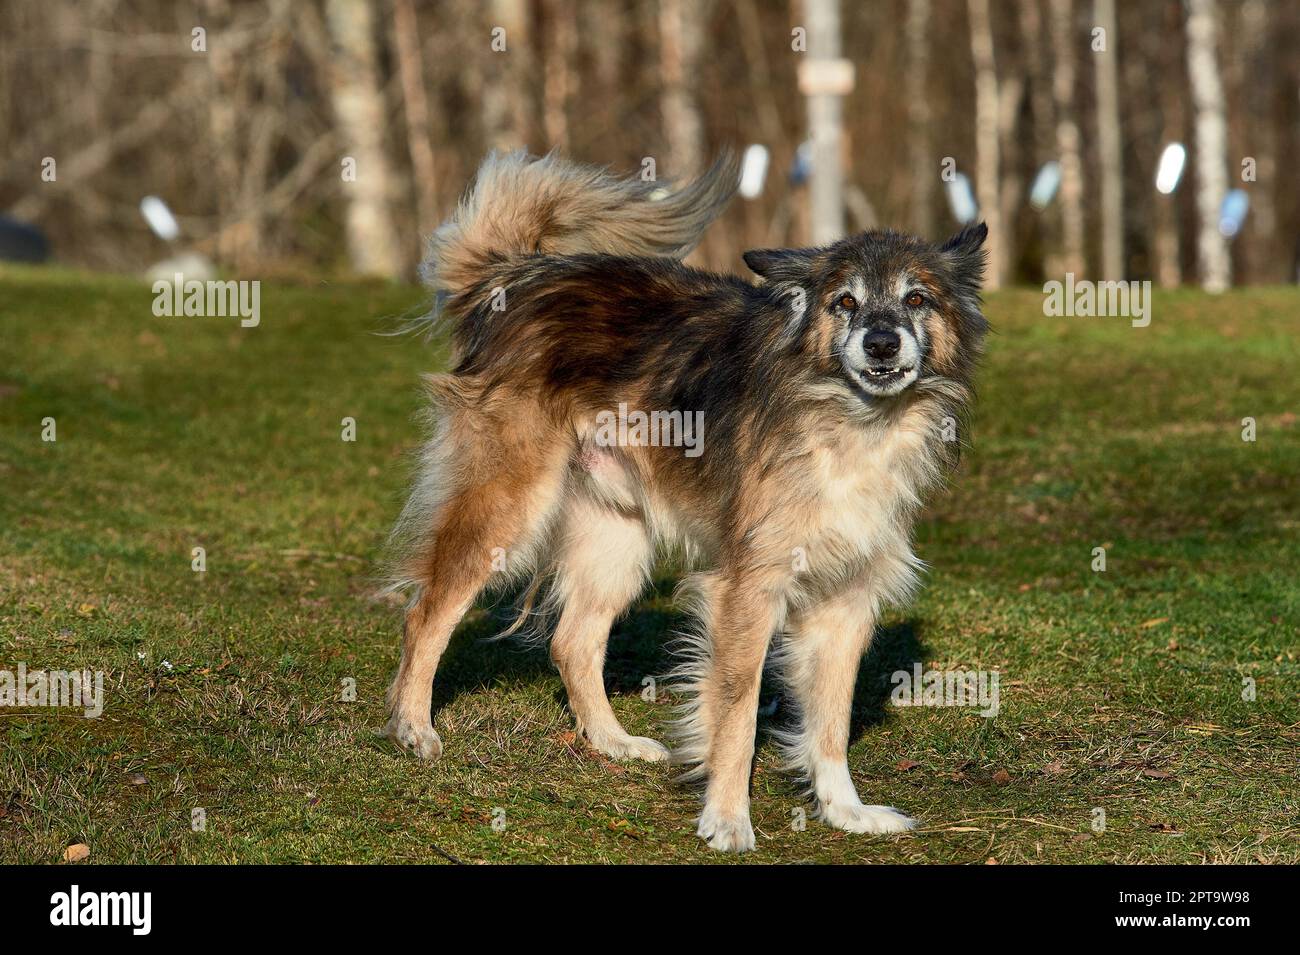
[(914, 300), (848, 303)]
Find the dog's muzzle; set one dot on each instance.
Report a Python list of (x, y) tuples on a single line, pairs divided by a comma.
[(883, 360)]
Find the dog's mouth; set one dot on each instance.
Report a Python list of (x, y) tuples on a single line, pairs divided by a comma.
[(884, 381), (887, 373)]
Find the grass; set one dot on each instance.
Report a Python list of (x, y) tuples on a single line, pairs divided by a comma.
[(1121, 691)]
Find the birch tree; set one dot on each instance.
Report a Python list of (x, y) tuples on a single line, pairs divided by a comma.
[(1108, 142), (1213, 262), (359, 109), (507, 85), (987, 126)]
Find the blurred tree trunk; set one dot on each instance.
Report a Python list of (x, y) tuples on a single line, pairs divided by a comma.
[(918, 116), (1256, 62), (760, 73), (561, 55), (1140, 121), (359, 108), (1037, 79), (1168, 77), (1108, 144), (825, 123), (987, 134), (415, 108), (605, 34), (507, 88), (1011, 158), (1213, 262), (680, 34), (223, 104), (1042, 131), (264, 121), (1072, 258), (608, 42), (771, 130)]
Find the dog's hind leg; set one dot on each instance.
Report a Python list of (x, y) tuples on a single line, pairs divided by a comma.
[(503, 510), (820, 662), (602, 562)]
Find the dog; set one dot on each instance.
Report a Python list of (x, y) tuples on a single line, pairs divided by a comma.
[(828, 398)]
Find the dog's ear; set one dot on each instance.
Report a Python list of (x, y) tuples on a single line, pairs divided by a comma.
[(968, 255), (780, 265), (968, 239)]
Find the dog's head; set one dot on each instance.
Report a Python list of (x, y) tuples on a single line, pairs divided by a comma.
[(884, 310)]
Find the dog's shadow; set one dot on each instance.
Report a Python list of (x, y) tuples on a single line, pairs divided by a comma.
[(640, 647)]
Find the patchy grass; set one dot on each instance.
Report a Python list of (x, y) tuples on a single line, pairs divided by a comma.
[(1121, 691)]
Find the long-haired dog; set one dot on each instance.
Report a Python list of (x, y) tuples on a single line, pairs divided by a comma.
[(826, 399)]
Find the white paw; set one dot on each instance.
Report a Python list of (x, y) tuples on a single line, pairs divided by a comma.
[(423, 741), (726, 833), (855, 817), (631, 747)]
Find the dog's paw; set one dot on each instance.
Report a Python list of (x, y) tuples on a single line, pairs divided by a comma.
[(423, 741), (855, 817), (726, 833), (631, 747)]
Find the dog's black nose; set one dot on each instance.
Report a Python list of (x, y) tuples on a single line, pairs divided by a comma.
[(882, 345)]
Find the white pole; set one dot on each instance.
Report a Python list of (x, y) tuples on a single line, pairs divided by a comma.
[(824, 80)]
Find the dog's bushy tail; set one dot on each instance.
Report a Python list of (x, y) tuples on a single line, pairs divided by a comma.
[(521, 206)]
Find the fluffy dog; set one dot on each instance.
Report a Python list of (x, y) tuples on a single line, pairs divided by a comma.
[(826, 400)]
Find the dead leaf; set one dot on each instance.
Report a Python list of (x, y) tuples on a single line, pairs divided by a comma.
[(1055, 767), (1173, 644), (77, 852), (85, 610), (137, 779), (1153, 622), (903, 765), (1157, 774), (991, 861), (1164, 827), (1001, 777), (623, 827)]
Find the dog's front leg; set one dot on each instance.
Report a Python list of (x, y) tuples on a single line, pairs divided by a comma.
[(743, 622), (820, 666)]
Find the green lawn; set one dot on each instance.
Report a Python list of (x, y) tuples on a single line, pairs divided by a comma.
[(1121, 691)]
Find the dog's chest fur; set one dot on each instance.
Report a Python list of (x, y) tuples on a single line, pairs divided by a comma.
[(860, 490)]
